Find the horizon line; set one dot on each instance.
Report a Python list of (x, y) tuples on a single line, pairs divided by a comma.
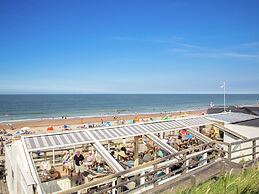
[(127, 93)]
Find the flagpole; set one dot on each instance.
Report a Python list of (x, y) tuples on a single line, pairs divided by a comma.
[(224, 85)]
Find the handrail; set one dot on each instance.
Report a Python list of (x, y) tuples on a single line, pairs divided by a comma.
[(244, 141), (212, 149), (146, 165)]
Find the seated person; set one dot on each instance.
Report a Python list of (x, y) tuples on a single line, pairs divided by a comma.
[(148, 156), (90, 157), (159, 153), (89, 160), (100, 168), (54, 174)]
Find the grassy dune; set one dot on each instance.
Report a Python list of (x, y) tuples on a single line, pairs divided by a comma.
[(245, 183)]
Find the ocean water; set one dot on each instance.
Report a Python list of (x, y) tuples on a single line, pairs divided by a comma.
[(16, 107)]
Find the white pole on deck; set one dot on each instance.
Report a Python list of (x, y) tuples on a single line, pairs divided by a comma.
[(224, 93), (224, 96), (53, 156)]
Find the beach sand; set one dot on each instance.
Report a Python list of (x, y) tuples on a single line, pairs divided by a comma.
[(40, 126)]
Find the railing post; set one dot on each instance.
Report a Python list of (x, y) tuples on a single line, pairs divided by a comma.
[(118, 182), (254, 149), (155, 168), (113, 184), (229, 151), (142, 180), (185, 163)]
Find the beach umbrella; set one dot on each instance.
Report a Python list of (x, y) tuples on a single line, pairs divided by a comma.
[(50, 128)]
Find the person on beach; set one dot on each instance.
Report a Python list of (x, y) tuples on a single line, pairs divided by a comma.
[(79, 168)]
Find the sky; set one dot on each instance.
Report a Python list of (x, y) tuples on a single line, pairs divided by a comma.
[(129, 46)]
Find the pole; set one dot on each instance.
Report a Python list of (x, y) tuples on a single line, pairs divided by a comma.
[(224, 85)]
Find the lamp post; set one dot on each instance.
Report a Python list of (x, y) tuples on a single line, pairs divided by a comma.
[(224, 90)]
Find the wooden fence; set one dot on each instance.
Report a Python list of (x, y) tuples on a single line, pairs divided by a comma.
[(151, 174)]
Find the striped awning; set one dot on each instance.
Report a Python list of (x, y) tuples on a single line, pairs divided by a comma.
[(195, 121), (56, 140), (162, 126), (70, 138), (102, 134)]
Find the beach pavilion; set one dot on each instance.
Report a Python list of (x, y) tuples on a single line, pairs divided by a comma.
[(24, 171)]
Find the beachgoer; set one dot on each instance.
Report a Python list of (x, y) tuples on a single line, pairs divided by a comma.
[(66, 159), (79, 168)]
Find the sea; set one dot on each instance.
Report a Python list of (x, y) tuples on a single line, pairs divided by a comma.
[(24, 107)]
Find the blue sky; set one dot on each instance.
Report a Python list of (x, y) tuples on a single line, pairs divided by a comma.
[(134, 46)]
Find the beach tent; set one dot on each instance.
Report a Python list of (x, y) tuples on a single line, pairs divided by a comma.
[(107, 124), (165, 118), (136, 119), (18, 133), (66, 127), (24, 129), (50, 128)]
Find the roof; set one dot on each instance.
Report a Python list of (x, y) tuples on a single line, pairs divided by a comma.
[(53, 140), (231, 117), (70, 138), (254, 110), (252, 123)]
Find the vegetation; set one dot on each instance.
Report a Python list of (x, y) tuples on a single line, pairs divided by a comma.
[(245, 183)]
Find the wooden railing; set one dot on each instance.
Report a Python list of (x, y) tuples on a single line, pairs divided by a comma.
[(146, 174), (157, 172), (241, 149)]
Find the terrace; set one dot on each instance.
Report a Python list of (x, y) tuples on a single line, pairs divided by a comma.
[(112, 150)]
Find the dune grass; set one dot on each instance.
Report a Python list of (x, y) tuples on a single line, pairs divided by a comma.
[(245, 183)]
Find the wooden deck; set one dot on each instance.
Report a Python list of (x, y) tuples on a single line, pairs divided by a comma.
[(3, 187), (197, 176)]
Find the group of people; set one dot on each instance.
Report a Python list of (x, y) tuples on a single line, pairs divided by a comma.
[(78, 163), (182, 141)]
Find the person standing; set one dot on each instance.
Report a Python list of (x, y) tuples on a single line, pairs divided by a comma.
[(79, 168)]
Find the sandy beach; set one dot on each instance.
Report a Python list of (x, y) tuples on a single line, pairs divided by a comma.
[(40, 125)]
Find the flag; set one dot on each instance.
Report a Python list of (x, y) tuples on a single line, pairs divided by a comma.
[(223, 86)]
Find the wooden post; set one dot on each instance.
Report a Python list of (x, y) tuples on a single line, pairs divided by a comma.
[(142, 180), (184, 163), (109, 146), (45, 156), (229, 151), (167, 170), (118, 182), (155, 175), (53, 152), (254, 149), (136, 159), (113, 184)]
